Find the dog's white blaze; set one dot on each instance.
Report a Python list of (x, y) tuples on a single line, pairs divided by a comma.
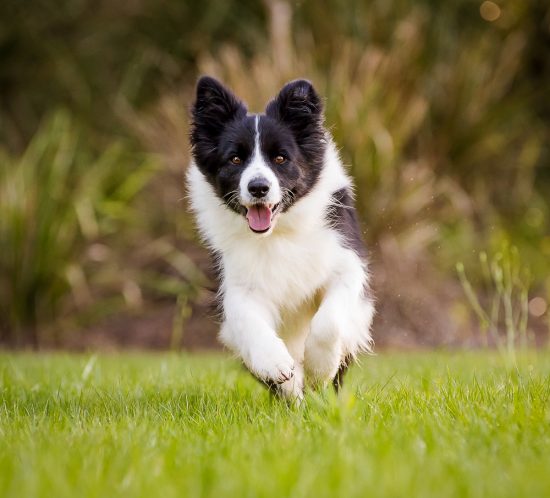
[(294, 298), (259, 169)]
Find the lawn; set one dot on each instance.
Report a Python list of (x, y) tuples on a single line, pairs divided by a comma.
[(167, 425)]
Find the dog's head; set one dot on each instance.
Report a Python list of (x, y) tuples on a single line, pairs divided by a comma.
[(258, 164)]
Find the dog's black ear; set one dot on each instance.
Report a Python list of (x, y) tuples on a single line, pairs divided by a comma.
[(299, 107), (297, 104), (214, 107)]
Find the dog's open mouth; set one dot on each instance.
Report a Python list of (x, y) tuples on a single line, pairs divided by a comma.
[(260, 216)]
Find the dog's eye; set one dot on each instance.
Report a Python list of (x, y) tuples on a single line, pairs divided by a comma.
[(280, 159), (236, 160)]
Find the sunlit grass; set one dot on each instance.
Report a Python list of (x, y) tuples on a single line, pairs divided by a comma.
[(419, 424)]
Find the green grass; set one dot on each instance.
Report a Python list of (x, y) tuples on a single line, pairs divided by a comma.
[(415, 424)]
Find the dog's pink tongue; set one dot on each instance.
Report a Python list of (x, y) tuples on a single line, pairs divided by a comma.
[(259, 218)]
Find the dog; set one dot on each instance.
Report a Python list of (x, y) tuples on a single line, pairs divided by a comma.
[(275, 206)]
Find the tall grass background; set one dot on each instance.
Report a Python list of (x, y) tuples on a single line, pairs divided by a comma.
[(440, 110)]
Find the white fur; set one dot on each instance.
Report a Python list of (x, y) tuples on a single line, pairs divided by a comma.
[(255, 170), (294, 302)]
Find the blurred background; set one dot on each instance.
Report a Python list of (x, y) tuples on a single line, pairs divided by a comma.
[(441, 109)]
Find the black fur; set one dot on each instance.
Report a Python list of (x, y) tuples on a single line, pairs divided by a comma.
[(342, 216), (299, 108), (338, 381), (215, 106), (292, 127)]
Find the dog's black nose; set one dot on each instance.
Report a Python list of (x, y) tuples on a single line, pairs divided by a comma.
[(259, 187)]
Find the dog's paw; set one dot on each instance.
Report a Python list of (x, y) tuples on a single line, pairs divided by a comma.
[(293, 389), (321, 363), (271, 362), (323, 352)]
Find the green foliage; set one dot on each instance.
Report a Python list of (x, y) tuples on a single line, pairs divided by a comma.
[(89, 56), (58, 201), (505, 287), (197, 426)]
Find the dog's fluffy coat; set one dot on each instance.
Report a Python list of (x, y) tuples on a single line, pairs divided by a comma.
[(275, 206)]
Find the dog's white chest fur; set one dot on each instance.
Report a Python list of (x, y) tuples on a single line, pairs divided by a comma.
[(284, 270)]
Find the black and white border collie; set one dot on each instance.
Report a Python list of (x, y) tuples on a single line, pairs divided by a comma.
[(275, 206)]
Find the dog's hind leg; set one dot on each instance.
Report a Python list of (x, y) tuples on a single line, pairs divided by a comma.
[(338, 380)]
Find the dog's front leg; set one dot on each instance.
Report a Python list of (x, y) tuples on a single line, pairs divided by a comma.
[(248, 330), (340, 314)]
